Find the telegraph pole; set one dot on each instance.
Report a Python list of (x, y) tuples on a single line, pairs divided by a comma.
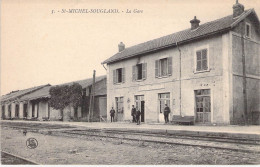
[(92, 98), (93, 94)]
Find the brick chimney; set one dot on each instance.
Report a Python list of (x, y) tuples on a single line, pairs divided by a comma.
[(238, 9), (195, 23), (121, 47)]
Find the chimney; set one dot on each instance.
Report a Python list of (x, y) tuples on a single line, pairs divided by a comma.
[(238, 9), (121, 47), (194, 23)]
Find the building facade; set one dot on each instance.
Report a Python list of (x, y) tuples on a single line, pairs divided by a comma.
[(210, 72), (33, 103)]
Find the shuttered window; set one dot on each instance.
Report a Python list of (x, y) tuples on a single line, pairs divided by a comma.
[(119, 75), (163, 67), (248, 30), (139, 72), (202, 60)]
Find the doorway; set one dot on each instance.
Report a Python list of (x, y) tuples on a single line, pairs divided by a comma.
[(9, 111), (203, 106), (164, 98), (3, 112), (139, 103), (25, 110), (119, 109)]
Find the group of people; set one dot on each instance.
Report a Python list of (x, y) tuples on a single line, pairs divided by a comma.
[(136, 113)]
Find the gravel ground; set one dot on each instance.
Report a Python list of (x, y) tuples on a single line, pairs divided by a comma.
[(7, 159), (69, 149)]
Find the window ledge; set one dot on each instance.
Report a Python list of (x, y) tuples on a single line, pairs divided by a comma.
[(119, 83), (208, 70), (166, 76), (139, 80)]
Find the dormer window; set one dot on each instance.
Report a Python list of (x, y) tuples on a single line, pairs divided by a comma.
[(248, 30)]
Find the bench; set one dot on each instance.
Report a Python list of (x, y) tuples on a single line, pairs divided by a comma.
[(183, 119), (45, 118)]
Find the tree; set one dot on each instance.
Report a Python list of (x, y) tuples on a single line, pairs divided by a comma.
[(63, 96)]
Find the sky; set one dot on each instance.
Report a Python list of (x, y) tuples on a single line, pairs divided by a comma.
[(40, 47)]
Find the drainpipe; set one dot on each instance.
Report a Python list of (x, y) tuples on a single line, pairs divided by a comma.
[(104, 67), (180, 78), (244, 74)]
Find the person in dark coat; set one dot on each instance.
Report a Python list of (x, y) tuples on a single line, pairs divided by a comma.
[(133, 113), (138, 114), (166, 113), (112, 114)]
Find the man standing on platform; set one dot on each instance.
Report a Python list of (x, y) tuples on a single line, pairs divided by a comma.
[(133, 113), (166, 113), (112, 114)]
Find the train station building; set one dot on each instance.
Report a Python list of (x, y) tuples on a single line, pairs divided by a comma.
[(209, 72)]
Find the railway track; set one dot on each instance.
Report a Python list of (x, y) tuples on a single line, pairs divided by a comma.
[(179, 140), (190, 137), (235, 144)]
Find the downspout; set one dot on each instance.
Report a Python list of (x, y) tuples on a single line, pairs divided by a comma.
[(180, 78), (104, 67), (244, 73)]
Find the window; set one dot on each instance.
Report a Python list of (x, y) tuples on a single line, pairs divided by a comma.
[(164, 98), (139, 72), (163, 67), (119, 75), (202, 60), (248, 30)]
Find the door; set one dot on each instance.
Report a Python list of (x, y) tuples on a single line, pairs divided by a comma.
[(119, 108), (103, 108), (17, 110), (139, 103), (9, 111), (203, 106), (25, 110), (142, 111), (3, 112), (164, 98)]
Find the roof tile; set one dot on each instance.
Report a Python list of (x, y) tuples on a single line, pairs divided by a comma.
[(170, 40)]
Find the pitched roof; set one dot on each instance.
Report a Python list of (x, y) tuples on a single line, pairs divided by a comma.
[(41, 93), (44, 92), (209, 28), (17, 94), (86, 82)]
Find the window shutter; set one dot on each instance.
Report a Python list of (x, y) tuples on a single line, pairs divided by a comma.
[(144, 65), (198, 61), (169, 65), (123, 75), (134, 73), (114, 76), (204, 59), (156, 68)]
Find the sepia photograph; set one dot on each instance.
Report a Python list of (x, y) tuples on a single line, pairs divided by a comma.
[(130, 82)]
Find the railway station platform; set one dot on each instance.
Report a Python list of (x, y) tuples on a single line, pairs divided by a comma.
[(228, 131)]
